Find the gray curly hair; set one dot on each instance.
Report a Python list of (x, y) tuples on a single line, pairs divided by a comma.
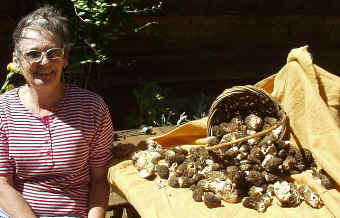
[(48, 18)]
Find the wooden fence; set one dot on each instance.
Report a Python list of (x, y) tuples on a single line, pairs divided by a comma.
[(211, 44)]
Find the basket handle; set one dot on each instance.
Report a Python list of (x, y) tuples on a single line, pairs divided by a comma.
[(222, 145)]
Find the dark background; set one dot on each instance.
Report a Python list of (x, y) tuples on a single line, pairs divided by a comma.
[(205, 46)]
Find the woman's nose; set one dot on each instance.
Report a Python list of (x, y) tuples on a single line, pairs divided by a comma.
[(44, 60)]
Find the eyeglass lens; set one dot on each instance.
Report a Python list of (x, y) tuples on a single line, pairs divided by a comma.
[(36, 56)]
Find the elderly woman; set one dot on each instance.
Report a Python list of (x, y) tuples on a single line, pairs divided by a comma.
[(55, 138)]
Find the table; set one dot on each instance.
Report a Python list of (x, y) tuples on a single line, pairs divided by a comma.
[(126, 142)]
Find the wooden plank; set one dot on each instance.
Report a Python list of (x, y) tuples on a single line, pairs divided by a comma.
[(187, 33)]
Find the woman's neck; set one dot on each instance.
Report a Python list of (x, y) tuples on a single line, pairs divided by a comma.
[(41, 101)]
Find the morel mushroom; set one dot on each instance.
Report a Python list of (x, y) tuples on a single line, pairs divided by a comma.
[(253, 122), (287, 194), (210, 200), (145, 162), (311, 198), (258, 202), (162, 171)]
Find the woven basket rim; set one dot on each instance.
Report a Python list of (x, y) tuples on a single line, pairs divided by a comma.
[(239, 90)]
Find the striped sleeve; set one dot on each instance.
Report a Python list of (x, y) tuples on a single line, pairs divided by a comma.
[(101, 146), (5, 166)]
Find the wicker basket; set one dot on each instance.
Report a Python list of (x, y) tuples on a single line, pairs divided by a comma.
[(242, 100)]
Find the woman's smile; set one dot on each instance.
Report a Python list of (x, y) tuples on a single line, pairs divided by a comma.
[(41, 73)]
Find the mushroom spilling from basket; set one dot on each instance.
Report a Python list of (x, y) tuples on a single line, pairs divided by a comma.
[(248, 157)]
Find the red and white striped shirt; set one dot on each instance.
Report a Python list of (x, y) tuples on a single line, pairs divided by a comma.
[(50, 157)]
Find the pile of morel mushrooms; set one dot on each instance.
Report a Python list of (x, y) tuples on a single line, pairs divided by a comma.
[(254, 172)]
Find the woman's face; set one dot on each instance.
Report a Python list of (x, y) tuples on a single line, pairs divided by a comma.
[(45, 72)]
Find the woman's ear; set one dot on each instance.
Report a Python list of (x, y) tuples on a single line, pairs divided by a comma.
[(16, 61), (14, 58)]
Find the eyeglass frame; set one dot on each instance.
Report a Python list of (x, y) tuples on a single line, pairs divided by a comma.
[(43, 53)]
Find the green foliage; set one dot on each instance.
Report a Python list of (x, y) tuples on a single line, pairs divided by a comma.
[(199, 106), (150, 98), (6, 86), (156, 108), (97, 25), (12, 79)]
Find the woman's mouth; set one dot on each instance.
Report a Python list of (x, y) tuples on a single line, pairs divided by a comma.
[(43, 73)]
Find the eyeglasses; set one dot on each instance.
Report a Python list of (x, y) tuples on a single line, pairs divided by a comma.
[(35, 56)]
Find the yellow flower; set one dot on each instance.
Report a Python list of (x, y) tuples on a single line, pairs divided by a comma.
[(9, 87), (12, 67)]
